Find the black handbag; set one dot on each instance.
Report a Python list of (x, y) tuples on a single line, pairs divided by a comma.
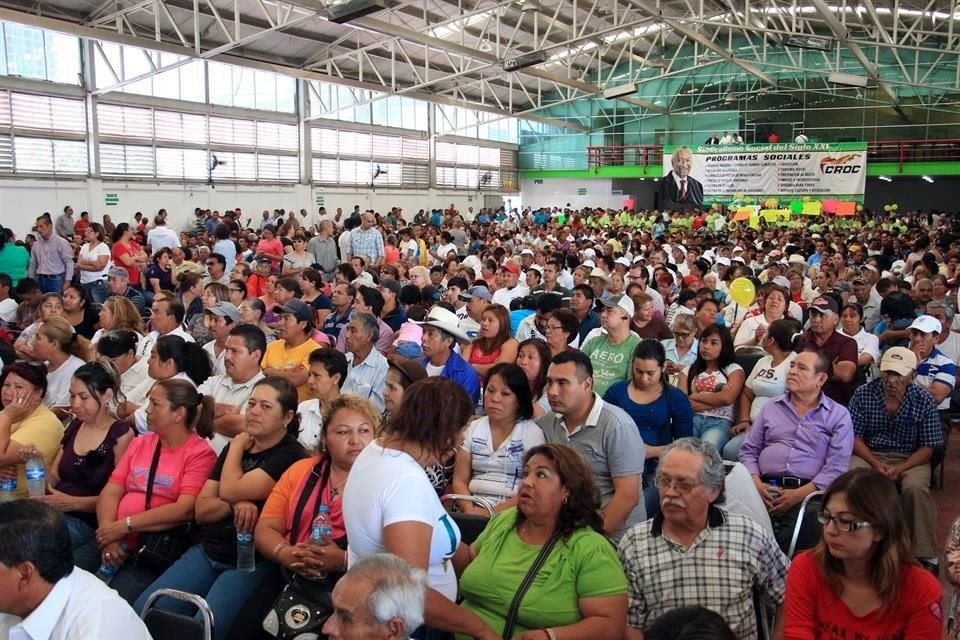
[(302, 608), (160, 549)]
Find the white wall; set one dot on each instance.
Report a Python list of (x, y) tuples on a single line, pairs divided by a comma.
[(21, 201), (557, 192)]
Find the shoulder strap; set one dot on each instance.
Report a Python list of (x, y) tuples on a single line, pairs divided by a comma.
[(153, 475), (528, 579), (316, 475)]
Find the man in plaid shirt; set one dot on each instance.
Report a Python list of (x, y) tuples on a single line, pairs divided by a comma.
[(693, 553)]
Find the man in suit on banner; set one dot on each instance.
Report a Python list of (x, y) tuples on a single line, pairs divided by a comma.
[(678, 190)]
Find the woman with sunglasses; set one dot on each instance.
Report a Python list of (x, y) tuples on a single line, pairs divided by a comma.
[(862, 579)]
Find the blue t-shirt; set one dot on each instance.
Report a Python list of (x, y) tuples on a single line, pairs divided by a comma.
[(660, 422)]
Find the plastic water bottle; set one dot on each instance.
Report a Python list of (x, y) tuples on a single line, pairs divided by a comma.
[(106, 571), (320, 530), (774, 489), (8, 490), (36, 477), (245, 551)]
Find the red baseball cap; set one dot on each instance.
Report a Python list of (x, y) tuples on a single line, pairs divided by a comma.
[(511, 267)]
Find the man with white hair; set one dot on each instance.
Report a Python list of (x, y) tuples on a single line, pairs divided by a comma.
[(381, 597), (693, 553)]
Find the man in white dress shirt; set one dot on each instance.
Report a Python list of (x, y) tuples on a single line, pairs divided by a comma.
[(42, 595)]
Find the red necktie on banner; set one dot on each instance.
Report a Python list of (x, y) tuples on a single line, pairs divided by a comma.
[(683, 190)]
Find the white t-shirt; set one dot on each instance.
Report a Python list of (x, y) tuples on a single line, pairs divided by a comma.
[(444, 250), (410, 249), (8, 310), (768, 382), (706, 382), (496, 474), (748, 329), (949, 347), (58, 383), (87, 254), (504, 296), (311, 421), (386, 486), (434, 370), (216, 361), (162, 237), (869, 343)]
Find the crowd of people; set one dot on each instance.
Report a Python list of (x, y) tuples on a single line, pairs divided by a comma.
[(636, 439)]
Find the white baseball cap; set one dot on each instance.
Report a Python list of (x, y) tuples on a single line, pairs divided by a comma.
[(622, 301)]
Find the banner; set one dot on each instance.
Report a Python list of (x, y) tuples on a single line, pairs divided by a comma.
[(744, 172)]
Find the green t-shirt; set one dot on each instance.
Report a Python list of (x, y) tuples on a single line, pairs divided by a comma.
[(610, 363), (584, 566)]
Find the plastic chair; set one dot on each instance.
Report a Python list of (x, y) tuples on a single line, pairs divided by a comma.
[(807, 530), (167, 625), (470, 525)]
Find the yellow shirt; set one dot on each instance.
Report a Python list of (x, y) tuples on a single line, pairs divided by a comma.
[(43, 430), (279, 356)]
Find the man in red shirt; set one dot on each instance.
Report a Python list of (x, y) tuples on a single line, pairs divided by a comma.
[(80, 226)]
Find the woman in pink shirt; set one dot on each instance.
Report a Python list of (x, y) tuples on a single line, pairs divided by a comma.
[(155, 484), (270, 247)]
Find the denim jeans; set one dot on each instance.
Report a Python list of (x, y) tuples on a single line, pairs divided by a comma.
[(731, 450), (224, 588), (97, 291), (86, 555), (712, 429), (51, 283)]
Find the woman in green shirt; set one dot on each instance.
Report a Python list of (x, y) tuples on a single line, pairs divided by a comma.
[(14, 259), (580, 591)]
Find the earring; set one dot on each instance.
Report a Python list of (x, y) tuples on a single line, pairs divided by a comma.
[(564, 499)]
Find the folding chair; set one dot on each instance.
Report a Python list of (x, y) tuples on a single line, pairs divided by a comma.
[(471, 526), (807, 530), (167, 625)]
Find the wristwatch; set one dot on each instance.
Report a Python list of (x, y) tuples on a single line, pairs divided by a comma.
[(129, 523)]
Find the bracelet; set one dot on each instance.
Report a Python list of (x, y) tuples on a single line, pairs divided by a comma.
[(278, 548), (129, 523), (551, 634)]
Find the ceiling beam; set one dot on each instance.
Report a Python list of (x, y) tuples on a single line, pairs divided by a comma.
[(840, 33)]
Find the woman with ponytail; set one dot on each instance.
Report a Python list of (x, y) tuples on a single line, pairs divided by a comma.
[(64, 351), (230, 502), (155, 485), (767, 380), (93, 443)]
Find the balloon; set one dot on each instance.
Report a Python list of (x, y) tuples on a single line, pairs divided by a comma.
[(859, 207), (886, 207), (743, 292), (893, 207)]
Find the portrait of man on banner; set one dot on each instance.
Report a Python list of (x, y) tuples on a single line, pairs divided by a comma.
[(678, 189)]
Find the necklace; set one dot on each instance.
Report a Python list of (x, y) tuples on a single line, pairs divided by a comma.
[(337, 488)]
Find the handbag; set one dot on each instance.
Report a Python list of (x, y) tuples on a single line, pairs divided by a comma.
[(302, 608), (532, 572), (160, 549)]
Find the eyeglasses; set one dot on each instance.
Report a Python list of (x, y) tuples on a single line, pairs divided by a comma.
[(554, 327), (682, 486), (843, 524), (682, 334), (237, 290)]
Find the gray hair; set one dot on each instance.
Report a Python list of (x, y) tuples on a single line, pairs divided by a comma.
[(686, 321), (676, 153), (370, 324), (399, 590), (712, 474), (940, 304)]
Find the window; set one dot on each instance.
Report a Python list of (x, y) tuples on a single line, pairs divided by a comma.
[(115, 63), (236, 86), (39, 54), (57, 157), (42, 135), (127, 160), (342, 156), (475, 167)]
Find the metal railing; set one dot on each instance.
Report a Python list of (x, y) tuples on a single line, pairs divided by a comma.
[(899, 151)]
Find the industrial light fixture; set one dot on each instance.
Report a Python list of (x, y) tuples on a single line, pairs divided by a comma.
[(524, 61), (928, 179), (820, 43), (342, 12), (848, 79), (885, 178), (620, 90)]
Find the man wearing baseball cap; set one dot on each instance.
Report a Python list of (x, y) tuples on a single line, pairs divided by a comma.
[(510, 271), (477, 298), (896, 427), (935, 372), (611, 352), (219, 319), (840, 349)]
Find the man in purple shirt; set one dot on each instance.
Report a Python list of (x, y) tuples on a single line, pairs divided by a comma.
[(51, 258), (800, 441)]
